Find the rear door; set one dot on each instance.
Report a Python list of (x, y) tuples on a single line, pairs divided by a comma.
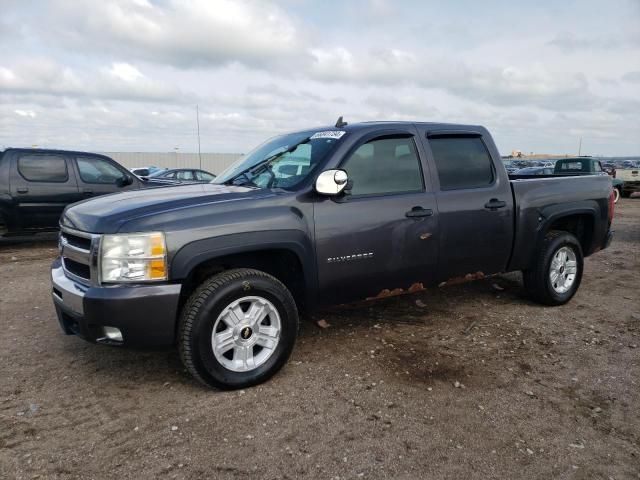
[(475, 204), (42, 184), (380, 238)]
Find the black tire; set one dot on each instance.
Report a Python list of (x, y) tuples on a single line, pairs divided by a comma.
[(626, 194), (537, 281), (199, 315), (4, 227)]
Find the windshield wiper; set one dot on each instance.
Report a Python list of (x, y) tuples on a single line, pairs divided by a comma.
[(264, 164)]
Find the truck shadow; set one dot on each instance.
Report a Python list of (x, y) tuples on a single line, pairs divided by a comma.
[(408, 334)]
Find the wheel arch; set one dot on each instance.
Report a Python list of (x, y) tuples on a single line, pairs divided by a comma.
[(287, 255), (581, 222)]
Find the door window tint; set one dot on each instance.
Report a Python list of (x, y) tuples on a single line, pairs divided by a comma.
[(43, 168), (97, 170), (185, 175), (385, 165), (462, 162)]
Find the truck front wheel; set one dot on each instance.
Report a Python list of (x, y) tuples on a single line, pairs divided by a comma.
[(557, 270), (237, 329)]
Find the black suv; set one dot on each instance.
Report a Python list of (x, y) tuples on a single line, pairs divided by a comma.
[(36, 185)]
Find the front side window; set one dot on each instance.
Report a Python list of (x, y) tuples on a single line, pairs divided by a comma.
[(385, 165), (462, 162), (98, 170), (43, 168), (185, 175)]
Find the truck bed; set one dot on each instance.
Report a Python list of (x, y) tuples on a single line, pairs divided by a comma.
[(532, 194)]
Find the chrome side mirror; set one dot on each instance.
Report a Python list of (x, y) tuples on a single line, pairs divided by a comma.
[(331, 182)]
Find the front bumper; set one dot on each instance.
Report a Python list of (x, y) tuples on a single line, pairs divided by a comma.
[(146, 315)]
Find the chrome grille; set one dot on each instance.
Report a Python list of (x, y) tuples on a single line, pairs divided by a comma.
[(79, 253)]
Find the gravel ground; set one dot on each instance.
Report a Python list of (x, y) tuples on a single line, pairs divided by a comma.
[(470, 381)]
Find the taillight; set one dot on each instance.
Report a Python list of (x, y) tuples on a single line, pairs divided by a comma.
[(611, 205)]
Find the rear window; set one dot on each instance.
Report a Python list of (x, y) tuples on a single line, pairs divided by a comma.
[(576, 166), (43, 168), (462, 162)]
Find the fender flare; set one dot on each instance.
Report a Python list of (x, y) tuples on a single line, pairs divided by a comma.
[(556, 212), (192, 254)]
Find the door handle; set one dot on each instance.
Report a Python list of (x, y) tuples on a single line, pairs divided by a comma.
[(23, 190), (86, 191), (495, 204), (419, 212)]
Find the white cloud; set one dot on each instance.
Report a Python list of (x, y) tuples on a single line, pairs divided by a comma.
[(25, 113), (184, 33), (122, 73), (125, 72)]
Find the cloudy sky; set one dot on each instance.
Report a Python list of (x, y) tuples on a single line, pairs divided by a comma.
[(126, 75)]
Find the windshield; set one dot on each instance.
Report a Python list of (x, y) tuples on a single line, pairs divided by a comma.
[(281, 162)]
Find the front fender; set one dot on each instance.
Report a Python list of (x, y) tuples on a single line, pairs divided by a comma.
[(197, 252)]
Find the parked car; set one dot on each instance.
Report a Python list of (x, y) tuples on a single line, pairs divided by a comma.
[(631, 180), (588, 166), (182, 175), (144, 172), (535, 171), (223, 270), (37, 184)]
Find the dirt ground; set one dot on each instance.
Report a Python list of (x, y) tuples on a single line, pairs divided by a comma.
[(470, 381)]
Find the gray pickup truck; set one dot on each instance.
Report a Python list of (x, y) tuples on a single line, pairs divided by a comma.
[(361, 211)]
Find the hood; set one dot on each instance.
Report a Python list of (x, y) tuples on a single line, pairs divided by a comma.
[(108, 213)]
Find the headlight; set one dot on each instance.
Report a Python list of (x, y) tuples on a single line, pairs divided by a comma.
[(133, 257)]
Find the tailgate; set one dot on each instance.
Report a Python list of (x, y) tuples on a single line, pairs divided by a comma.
[(628, 174)]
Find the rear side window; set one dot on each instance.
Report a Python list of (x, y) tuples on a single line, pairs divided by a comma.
[(204, 176), (43, 168), (385, 165), (462, 162)]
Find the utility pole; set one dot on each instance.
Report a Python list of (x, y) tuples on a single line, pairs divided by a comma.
[(198, 125), (580, 147)]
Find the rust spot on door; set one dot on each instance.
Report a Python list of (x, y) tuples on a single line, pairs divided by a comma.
[(416, 287), (469, 277)]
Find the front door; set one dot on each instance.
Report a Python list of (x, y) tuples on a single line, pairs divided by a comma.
[(379, 239), (99, 176)]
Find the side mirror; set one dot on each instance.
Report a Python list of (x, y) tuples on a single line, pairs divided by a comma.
[(124, 181), (331, 182)]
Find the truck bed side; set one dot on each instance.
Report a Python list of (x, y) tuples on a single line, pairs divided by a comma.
[(579, 204)]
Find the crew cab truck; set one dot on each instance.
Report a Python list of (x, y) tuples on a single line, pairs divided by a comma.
[(223, 270), (37, 184)]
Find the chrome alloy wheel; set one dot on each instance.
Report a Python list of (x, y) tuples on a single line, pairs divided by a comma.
[(562, 272), (246, 333)]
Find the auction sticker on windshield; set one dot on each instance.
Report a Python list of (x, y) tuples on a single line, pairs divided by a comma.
[(328, 134)]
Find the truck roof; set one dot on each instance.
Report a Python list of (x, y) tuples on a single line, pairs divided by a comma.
[(375, 125)]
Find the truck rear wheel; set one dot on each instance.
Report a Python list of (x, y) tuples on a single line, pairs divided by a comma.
[(557, 270), (237, 329)]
